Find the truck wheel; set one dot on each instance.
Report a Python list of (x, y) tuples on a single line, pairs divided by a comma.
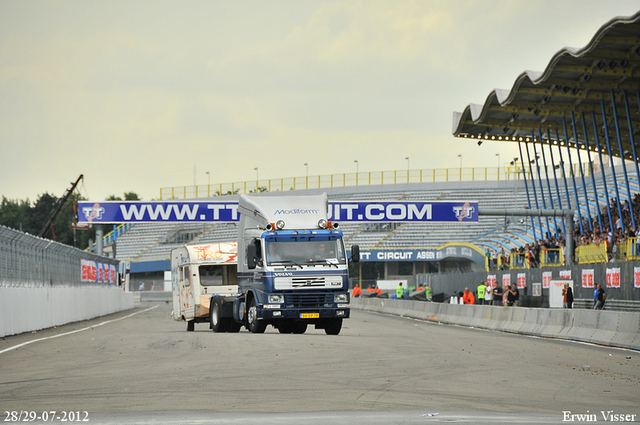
[(191, 325), (333, 326), (299, 328), (255, 326), (218, 324)]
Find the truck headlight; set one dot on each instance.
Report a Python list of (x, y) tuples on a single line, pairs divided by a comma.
[(276, 299), (340, 298)]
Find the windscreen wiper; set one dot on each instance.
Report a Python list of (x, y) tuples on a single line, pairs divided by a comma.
[(325, 261), (285, 262)]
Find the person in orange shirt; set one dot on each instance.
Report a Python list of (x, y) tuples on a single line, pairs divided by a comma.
[(357, 292), (370, 289), (378, 290), (467, 297)]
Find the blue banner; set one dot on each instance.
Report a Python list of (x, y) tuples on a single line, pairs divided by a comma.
[(110, 212), (451, 250)]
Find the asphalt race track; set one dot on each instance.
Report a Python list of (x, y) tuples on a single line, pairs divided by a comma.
[(141, 367)]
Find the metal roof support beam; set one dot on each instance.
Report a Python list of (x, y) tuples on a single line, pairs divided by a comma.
[(613, 168), (544, 202), (593, 177), (564, 173), (533, 179), (546, 173), (631, 139), (604, 176), (584, 184), (526, 188), (624, 165), (573, 176), (516, 212), (555, 177)]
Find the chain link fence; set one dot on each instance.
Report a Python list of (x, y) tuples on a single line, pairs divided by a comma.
[(27, 260)]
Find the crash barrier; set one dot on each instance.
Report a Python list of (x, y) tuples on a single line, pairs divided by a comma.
[(612, 328), (25, 309), (45, 283)]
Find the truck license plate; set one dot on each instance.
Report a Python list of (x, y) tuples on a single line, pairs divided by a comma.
[(309, 315)]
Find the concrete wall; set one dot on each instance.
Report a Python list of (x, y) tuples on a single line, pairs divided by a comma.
[(614, 328), (28, 308)]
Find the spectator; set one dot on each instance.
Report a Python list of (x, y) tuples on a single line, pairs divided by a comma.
[(567, 296), (481, 291), (488, 295), (427, 290), (516, 295), (497, 295), (467, 297), (511, 296), (600, 298)]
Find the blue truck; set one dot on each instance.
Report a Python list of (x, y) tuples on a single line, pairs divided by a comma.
[(292, 268)]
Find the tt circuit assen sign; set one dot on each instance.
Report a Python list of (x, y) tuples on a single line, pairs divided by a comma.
[(446, 251), (226, 212)]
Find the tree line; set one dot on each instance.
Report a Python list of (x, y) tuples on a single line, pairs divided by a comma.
[(30, 217)]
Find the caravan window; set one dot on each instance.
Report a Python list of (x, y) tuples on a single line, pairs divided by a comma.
[(211, 275)]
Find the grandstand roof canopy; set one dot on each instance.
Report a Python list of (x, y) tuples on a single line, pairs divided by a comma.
[(576, 82)]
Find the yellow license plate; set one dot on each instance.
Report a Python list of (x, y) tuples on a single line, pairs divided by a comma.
[(309, 315)]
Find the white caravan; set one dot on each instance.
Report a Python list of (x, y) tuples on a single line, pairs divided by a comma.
[(197, 273)]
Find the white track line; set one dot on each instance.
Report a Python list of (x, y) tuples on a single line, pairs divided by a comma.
[(77, 330)]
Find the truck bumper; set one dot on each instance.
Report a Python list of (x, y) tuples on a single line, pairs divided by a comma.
[(310, 315)]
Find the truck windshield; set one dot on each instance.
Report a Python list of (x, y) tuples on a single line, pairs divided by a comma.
[(305, 252)]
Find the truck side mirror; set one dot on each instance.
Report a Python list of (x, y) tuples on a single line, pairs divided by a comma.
[(355, 253), (251, 256)]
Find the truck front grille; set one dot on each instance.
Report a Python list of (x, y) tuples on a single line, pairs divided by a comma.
[(308, 300), (297, 282)]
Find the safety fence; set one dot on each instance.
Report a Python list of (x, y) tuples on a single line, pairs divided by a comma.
[(27, 260), (521, 260), (584, 254), (433, 175)]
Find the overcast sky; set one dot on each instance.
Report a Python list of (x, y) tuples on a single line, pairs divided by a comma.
[(136, 94)]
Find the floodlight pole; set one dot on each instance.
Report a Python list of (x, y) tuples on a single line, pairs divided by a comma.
[(519, 212)]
